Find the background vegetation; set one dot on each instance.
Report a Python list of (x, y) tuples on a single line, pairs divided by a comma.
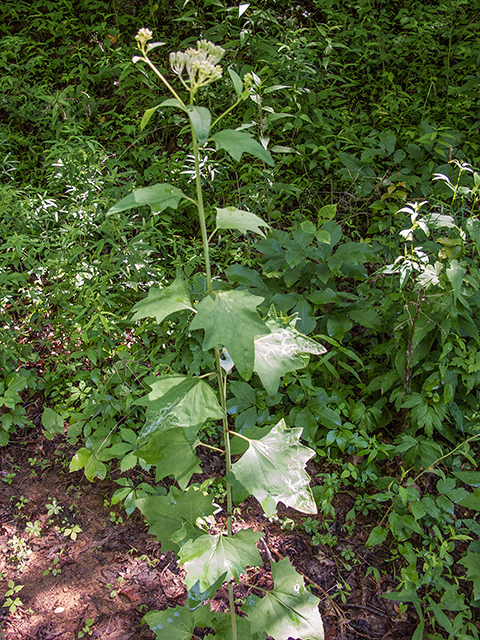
[(371, 112)]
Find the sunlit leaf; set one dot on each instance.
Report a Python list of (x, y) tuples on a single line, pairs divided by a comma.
[(243, 221), (230, 318), (281, 351), (211, 556), (158, 198), (161, 303), (178, 401), (273, 470), (166, 514), (236, 143), (289, 610)]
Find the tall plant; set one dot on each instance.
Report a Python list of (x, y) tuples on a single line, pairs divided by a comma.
[(211, 546)]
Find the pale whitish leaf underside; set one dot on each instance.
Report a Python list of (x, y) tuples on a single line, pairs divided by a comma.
[(273, 470), (281, 351), (178, 401), (243, 221)]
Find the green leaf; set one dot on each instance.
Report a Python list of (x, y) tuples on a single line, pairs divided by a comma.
[(178, 623), (229, 318), (281, 351), (473, 228), (236, 143), (223, 628), (87, 460), (472, 563), (327, 212), (455, 274), (243, 221), (166, 514), (472, 478), (161, 303), (245, 276), (178, 401), (273, 470), (378, 535), (158, 197), (80, 459), (237, 81), (53, 422), (201, 119), (173, 453), (209, 557), (146, 117), (289, 610)]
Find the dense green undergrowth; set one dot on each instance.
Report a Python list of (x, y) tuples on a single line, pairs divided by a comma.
[(371, 115)]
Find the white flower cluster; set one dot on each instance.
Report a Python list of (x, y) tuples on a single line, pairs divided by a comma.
[(143, 36), (200, 63)]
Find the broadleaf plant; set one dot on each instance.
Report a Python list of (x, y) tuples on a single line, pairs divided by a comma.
[(228, 324)]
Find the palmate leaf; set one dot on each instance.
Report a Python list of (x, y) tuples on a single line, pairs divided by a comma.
[(178, 623), (167, 515), (161, 303), (173, 454), (236, 143), (273, 470), (243, 221), (209, 557), (178, 401), (281, 351), (287, 611), (230, 318), (158, 198)]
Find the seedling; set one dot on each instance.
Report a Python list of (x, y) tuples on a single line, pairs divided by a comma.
[(87, 628), (11, 602)]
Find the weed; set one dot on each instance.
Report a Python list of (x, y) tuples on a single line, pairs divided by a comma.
[(12, 601)]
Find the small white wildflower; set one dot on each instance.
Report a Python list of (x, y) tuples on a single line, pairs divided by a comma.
[(143, 36)]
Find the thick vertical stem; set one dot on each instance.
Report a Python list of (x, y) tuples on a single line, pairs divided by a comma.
[(201, 212), (222, 380)]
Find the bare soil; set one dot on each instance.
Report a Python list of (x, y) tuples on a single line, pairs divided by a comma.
[(114, 571)]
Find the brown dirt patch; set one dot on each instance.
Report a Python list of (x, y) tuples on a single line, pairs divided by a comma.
[(114, 572)]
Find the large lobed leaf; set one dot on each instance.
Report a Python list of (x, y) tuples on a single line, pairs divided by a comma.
[(161, 303), (178, 623), (281, 351), (273, 470), (168, 514), (178, 401), (289, 610), (173, 454), (230, 318), (210, 557)]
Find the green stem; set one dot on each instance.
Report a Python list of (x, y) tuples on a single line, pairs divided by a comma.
[(165, 82), (222, 380), (201, 212), (209, 446)]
